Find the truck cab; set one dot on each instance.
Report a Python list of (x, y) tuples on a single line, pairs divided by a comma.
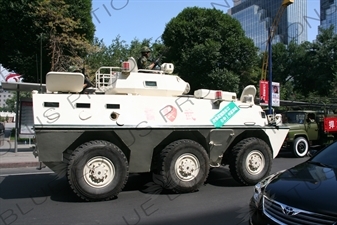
[(304, 130)]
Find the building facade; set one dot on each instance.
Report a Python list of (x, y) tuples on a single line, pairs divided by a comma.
[(257, 16), (4, 95), (328, 14)]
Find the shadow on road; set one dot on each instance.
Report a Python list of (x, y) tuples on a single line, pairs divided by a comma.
[(36, 186), (286, 153), (58, 189), (222, 177)]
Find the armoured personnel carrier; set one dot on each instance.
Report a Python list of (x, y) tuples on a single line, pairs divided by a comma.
[(139, 121)]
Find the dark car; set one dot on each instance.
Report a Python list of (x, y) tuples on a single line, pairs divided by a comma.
[(304, 194)]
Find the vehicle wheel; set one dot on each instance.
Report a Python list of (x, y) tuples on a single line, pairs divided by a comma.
[(251, 161), (97, 170), (300, 147), (183, 167)]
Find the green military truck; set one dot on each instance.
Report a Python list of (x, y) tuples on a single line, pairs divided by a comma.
[(308, 129)]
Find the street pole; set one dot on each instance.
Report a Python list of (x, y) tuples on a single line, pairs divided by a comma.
[(41, 63), (270, 79), (16, 121)]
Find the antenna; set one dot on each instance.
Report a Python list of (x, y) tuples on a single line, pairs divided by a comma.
[(41, 63), (37, 68)]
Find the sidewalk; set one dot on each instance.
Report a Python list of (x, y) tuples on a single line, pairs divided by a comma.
[(22, 158)]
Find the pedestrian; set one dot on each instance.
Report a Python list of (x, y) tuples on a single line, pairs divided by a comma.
[(2, 128)]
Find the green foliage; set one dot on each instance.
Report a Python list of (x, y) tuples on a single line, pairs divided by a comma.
[(116, 52), (223, 79), (307, 71), (18, 38), (323, 63), (207, 47), (281, 60), (64, 43), (11, 102), (66, 25), (105, 55), (80, 10), (207, 41)]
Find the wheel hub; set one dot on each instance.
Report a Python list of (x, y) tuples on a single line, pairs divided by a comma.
[(99, 172), (255, 162), (187, 167), (301, 147)]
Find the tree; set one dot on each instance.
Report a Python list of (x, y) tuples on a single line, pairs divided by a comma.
[(288, 62), (11, 102), (81, 10), (64, 44), (22, 22), (19, 46), (117, 52), (103, 55), (204, 42), (307, 71), (313, 66), (281, 63), (323, 62)]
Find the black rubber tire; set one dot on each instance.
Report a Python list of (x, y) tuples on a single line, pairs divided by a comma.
[(193, 158), (105, 155), (300, 147), (259, 154)]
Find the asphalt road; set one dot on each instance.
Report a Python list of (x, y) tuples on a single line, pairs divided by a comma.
[(30, 196)]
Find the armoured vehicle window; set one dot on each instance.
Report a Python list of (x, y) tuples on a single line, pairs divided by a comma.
[(151, 83), (82, 105), (51, 104), (112, 106)]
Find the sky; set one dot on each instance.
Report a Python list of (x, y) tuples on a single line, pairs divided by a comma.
[(142, 19)]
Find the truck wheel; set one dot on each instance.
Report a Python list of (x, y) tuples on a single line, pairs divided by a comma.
[(251, 161), (184, 166), (97, 170), (300, 147)]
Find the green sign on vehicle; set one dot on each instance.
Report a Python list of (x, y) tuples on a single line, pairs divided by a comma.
[(225, 114)]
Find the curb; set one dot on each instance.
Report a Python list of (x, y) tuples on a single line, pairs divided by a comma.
[(19, 165)]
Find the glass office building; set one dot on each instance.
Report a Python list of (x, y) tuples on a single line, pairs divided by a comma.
[(256, 16), (329, 14)]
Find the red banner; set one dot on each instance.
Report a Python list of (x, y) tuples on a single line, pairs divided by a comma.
[(264, 92), (330, 124)]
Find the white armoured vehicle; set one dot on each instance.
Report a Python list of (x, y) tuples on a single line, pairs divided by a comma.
[(138, 121)]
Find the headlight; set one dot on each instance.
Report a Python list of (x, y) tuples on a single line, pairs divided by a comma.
[(259, 187)]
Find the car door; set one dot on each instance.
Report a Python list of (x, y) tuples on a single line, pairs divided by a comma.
[(311, 126)]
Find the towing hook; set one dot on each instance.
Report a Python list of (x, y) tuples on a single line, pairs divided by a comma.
[(114, 116)]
